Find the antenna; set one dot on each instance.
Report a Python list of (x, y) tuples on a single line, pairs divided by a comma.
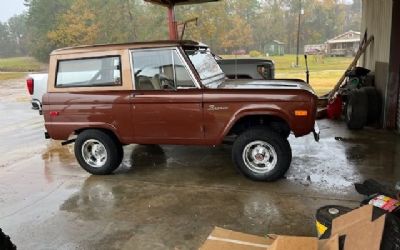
[(307, 70)]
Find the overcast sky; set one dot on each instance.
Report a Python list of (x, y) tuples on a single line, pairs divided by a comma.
[(9, 8)]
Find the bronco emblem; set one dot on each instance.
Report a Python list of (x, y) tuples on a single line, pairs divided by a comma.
[(215, 108)]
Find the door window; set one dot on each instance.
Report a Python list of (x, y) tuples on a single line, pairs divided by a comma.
[(160, 70)]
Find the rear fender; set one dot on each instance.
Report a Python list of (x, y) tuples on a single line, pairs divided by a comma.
[(63, 131)]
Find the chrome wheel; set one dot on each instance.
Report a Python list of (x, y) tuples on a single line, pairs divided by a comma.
[(260, 157), (94, 153)]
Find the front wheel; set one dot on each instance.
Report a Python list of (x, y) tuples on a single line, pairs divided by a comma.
[(262, 154), (97, 152)]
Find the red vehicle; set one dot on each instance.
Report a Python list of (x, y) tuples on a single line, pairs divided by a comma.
[(171, 92)]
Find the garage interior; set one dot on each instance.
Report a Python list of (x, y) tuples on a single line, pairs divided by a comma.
[(381, 20), (171, 197)]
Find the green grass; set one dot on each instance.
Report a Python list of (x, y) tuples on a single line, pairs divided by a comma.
[(19, 64), (11, 75), (324, 72)]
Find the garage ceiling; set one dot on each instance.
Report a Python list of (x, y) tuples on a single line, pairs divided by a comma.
[(178, 2)]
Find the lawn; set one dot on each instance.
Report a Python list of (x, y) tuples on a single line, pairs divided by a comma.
[(324, 72), (20, 64), (11, 75)]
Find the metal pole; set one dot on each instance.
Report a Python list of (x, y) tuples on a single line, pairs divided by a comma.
[(173, 31), (298, 36)]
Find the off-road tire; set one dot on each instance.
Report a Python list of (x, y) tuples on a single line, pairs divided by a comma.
[(374, 104), (356, 112), (112, 147), (5, 242), (279, 143)]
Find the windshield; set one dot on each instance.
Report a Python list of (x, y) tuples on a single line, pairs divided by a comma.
[(210, 73)]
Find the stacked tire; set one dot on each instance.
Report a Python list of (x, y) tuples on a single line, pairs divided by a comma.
[(363, 107)]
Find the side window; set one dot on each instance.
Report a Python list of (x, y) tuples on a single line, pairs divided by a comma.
[(159, 69), (182, 77), (104, 71)]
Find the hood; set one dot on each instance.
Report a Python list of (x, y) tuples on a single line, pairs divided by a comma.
[(266, 84)]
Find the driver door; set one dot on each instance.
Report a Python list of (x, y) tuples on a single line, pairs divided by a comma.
[(167, 100)]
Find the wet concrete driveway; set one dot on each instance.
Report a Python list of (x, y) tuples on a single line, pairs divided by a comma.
[(170, 197)]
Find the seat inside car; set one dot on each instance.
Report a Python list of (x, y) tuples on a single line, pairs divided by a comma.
[(144, 83)]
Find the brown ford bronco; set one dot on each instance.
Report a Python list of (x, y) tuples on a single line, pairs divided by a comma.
[(171, 92)]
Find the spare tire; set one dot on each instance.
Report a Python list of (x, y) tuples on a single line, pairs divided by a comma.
[(324, 217), (356, 112), (374, 104)]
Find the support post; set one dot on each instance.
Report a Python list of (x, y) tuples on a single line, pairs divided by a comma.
[(172, 25), (298, 35), (393, 86)]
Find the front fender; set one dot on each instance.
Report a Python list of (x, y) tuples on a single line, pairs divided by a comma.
[(273, 111)]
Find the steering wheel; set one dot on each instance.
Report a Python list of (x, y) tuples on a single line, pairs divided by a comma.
[(165, 82)]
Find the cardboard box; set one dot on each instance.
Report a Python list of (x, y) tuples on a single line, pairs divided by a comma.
[(356, 230), (223, 239)]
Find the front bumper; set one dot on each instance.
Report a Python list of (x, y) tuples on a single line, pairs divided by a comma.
[(316, 132)]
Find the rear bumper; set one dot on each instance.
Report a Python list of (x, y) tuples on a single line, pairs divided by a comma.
[(36, 105)]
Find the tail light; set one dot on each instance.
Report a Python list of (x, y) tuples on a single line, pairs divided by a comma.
[(30, 84)]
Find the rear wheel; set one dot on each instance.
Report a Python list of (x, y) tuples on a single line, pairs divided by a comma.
[(262, 154), (98, 152)]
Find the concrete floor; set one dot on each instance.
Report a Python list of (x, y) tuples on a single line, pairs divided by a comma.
[(171, 197)]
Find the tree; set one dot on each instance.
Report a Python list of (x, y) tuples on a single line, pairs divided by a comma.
[(225, 25), (76, 26), (239, 35), (43, 17), (269, 24), (6, 45), (18, 34)]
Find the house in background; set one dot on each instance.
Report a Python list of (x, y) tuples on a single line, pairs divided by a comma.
[(275, 48), (345, 44)]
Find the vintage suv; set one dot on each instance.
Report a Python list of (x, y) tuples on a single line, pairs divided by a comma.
[(171, 92)]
